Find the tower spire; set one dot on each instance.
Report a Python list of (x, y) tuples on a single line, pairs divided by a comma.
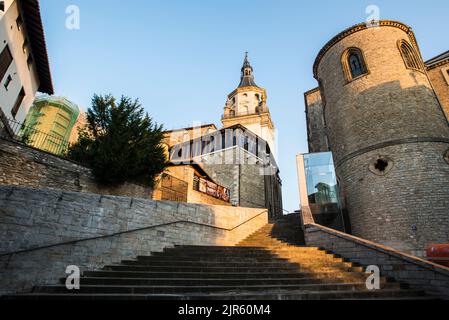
[(247, 78)]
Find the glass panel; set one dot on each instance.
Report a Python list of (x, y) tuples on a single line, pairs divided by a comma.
[(321, 180)]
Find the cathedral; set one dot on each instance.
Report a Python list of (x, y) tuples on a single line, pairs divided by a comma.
[(374, 190), (234, 165)]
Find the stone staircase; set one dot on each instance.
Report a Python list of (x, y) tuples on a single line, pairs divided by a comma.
[(271, 264)]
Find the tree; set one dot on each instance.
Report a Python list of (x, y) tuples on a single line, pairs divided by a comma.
[(120, 142)]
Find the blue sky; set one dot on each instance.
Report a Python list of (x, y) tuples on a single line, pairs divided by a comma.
[(182, 57)]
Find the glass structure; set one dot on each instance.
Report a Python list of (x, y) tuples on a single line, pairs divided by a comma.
[(321, 180)]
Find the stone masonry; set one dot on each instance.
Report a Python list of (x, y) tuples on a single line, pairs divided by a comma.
[(439, 76), (415, 272), (316, 127), (390, 114), (251, 186), (25, 166), (44, 231)]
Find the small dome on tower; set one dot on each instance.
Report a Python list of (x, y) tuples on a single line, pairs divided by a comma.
[(247, 79)]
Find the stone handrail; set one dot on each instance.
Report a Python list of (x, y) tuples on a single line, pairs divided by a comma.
[(416, 272), (307, 216)]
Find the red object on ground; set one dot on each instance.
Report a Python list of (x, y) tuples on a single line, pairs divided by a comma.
[(438, 253)]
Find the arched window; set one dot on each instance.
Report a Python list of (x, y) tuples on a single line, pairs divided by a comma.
[(354, 64), (409, 55)]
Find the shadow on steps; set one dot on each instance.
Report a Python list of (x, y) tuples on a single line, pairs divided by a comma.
[(289, 230)]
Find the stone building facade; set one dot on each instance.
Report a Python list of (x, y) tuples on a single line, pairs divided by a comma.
[(316, 126), (239, 157), (438, 71), (238, 160), (388, 134)]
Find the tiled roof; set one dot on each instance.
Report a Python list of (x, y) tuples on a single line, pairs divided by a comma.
[(442, 57)]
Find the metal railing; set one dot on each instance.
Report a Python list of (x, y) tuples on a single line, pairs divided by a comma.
[(259, 110), (48, 142), (173, 189)]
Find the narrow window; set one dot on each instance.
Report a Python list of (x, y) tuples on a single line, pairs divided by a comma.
[(8, 82), (409, 55), (18, 103), (5, 61), (2, 6), (356, 65), (353, 64)]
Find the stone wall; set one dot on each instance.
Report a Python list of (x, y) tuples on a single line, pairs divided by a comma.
[(404, 209), (387, 118), (245, 182), (25, 166), (250, 184), (439, 76), (252, 188), (44, 231), (417, 273), (316, 128)]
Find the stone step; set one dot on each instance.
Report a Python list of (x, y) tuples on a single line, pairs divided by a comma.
[(266, 244), (268, 265), (102, 281), (242, 258), (212, 257), (223, 275), (265, 296), (244, 264), (174, 268), (240, 249), (167, 289), (275, 254), (223, 248)]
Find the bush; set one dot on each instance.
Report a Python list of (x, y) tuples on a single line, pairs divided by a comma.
[(120, 142)]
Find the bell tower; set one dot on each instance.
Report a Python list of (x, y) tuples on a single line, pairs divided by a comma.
[(247, 106)]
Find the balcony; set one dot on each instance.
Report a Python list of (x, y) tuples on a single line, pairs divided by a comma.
[(259, 111)]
